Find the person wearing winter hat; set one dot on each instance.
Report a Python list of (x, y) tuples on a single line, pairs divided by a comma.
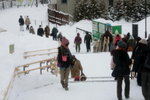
[(121, 44), (143, 41), (65, 42), (77, 42), (64, 59), (121, 70), (139, 59)]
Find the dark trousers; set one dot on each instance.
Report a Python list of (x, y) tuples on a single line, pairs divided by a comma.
[(119, 86), (146, 85), (139, 79), (77, 47), (55, 37), (64, 76), (27, 27), (88, 47)]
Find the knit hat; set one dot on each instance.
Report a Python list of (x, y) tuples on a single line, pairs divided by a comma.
[(121, 44), (143, 41), (65, 42)]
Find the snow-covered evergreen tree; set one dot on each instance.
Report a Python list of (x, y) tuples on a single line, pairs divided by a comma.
[(111, 14), (119, 10), (80, 10), (128, 10), (139, 10), (102, 10), (88, 9)]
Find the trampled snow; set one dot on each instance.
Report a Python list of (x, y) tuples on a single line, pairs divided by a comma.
[(46, 86)]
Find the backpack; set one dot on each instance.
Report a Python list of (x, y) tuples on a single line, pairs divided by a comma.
[(147, 61)]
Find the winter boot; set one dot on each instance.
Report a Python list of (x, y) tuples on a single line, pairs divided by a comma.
[(66, 86), (62, 83)]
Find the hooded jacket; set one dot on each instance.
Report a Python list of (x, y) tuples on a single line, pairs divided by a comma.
[(122, 62)]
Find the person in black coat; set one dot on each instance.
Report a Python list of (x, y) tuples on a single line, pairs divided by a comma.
[(121, 70), (88, 40), (141, 64), (40, 31), (139, 59), (146, 74), (64, 59), (54, 33), (21, 23)]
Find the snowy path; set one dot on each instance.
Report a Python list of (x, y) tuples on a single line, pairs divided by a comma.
[(48, 87)]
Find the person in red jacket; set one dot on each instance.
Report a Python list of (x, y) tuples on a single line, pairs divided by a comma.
[(116, 39), (77, 42)]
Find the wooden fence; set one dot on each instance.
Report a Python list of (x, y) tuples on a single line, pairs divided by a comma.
[(50, 64), (39, 52), (57, 17)]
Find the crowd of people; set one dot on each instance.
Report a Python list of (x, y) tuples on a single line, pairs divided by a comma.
[(138, 66), (121, 63), (40, 31)]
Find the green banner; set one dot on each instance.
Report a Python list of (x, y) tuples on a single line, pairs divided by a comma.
[(117, 29)]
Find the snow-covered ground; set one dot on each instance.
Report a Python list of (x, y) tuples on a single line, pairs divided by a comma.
[(46, 86)]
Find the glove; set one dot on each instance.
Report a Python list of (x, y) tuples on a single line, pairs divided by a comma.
[(133, 75)]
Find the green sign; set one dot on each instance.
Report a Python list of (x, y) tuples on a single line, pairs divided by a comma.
[(11, 48), (117, 29), (99, 28)]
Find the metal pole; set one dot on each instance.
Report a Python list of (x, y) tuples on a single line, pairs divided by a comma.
[(3, 5), (145, 18), (11, 3), (36, 3)]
